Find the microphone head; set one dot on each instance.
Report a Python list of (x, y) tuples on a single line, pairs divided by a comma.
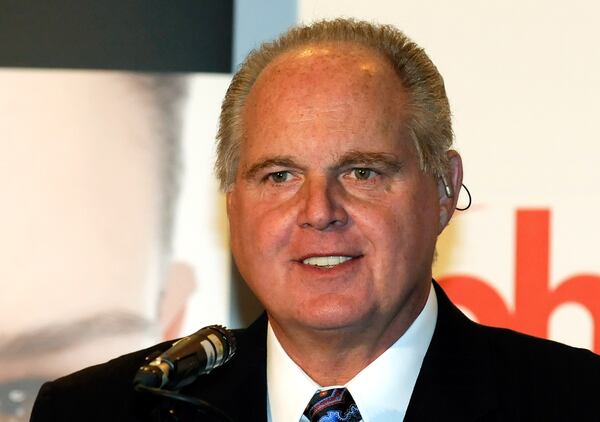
[(227, 346), (187, 359)]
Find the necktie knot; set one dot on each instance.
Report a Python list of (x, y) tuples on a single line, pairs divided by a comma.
[(333, 405)]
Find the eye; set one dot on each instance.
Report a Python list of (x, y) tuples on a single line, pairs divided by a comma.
[(279, 176), (363, 173)]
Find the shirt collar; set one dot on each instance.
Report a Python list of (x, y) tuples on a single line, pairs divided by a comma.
[(288, 388), (394, 373)]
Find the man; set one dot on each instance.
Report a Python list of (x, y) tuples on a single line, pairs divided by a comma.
[(334, 151), (88, 176)]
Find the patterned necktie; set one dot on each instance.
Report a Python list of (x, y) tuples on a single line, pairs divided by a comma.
[(334, 405)]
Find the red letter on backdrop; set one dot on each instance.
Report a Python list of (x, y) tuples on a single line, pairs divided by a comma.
[(534, 301), (478, 297)]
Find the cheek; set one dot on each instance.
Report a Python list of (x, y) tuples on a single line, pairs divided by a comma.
[(259, 229), (397, 231)]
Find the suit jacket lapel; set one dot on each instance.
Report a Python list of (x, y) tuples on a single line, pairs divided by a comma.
[(456, 378)]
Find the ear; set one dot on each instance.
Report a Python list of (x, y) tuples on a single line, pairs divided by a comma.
[(229, 201), (449, 187), (180, 284), (230, 198)]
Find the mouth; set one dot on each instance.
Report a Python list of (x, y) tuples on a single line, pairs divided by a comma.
[(327, 262)]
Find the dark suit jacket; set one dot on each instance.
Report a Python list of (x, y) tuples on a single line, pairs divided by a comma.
[(470, 373)]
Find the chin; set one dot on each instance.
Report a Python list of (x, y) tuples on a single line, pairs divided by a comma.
[(335, 316)]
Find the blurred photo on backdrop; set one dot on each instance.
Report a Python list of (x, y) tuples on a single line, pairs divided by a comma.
[(89, 179)]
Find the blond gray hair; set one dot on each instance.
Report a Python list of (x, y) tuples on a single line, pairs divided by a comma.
[(429, 124)]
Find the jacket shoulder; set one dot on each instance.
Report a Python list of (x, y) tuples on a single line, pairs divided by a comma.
[(533, 351), (541, 379), (79, 393), (541, 357), (475, 370)]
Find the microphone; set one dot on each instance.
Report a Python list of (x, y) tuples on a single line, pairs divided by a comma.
[(188, 358)]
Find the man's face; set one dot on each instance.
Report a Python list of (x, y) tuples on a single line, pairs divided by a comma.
[(333, 223)]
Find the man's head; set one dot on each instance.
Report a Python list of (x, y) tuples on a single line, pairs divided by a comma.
[(334, 189), (88, 179), (428, 120)]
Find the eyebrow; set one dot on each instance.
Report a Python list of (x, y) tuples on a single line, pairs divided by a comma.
[(367, 159), (277, 161), (57, 337)]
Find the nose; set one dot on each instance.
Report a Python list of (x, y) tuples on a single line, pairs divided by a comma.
[(321, 205)]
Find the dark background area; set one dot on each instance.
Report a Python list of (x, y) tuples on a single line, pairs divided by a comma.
[(139, 35)]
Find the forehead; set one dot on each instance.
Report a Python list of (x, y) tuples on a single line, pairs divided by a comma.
[(324, 70), (341, 91)]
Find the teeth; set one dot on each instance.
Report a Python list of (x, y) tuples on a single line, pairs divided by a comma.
[(326, 261)]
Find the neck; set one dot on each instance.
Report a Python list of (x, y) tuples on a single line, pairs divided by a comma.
[(334, 356)]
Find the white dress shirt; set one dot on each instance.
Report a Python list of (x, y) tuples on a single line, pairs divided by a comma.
[(381, 391)]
